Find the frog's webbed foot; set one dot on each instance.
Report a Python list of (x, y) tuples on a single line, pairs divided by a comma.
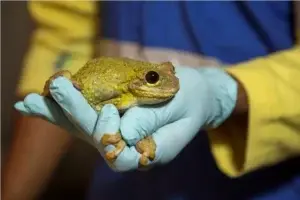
[(146, 147), (65, 73), (116, 140)]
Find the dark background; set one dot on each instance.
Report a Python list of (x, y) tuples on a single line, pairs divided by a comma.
[(72, 175)]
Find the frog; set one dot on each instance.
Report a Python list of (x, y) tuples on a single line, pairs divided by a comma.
[(125, 83)]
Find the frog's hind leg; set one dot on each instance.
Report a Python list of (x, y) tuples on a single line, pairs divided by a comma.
[(112, 139), (64, 73), (146, 147), (117, 142)]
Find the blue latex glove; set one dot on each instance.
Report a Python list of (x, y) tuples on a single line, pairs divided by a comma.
[(72, 112), (206, 98)]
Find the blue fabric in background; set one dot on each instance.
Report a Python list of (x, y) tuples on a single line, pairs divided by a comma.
[(231, 31)]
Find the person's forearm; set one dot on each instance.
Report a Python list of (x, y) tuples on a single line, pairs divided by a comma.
[(36, 150), (241, 106), (239, 115)]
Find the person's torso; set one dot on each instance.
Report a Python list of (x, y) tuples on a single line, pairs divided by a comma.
[(228, 31), (195, 34)]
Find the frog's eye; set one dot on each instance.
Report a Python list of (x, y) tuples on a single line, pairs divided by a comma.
[(152, 77)]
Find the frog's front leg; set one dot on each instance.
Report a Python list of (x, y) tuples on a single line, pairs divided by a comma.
[(146, 147), (65, 73)]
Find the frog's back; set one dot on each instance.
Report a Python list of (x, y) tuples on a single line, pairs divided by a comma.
[(110, 69)]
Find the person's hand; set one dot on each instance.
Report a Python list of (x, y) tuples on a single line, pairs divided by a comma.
[(70, 110), (206, 98)]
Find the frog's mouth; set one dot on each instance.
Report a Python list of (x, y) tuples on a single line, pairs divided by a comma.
[(155, 94)]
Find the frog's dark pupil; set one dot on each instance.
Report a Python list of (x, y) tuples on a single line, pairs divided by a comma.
[(152, 77)]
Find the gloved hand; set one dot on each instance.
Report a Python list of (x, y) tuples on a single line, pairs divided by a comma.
[(72, 112), (206, 98)]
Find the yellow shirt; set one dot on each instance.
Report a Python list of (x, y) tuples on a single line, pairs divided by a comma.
[(63, 26), (272, 84)]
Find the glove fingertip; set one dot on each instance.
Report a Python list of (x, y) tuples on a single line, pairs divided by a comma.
[(19, 106), (128, 160), (60, 81), (62, 90)]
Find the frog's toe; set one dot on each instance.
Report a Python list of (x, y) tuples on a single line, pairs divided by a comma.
[(76, 85), (108, 139), (119, 147), (143, 160), (146, 147)]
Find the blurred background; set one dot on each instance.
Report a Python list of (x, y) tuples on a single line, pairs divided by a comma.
[(71, 178)]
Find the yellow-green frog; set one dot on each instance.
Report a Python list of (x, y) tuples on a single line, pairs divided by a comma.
[(125, 83)]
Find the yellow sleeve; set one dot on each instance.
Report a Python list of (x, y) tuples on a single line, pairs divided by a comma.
[(273, 134), (63, 39)]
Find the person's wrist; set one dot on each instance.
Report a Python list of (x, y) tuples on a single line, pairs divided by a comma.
[(224, 90), (241, 106)]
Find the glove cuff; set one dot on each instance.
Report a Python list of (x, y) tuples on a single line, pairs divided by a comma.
[(225, 90)]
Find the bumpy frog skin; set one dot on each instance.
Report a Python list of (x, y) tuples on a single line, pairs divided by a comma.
[(125, 83)]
